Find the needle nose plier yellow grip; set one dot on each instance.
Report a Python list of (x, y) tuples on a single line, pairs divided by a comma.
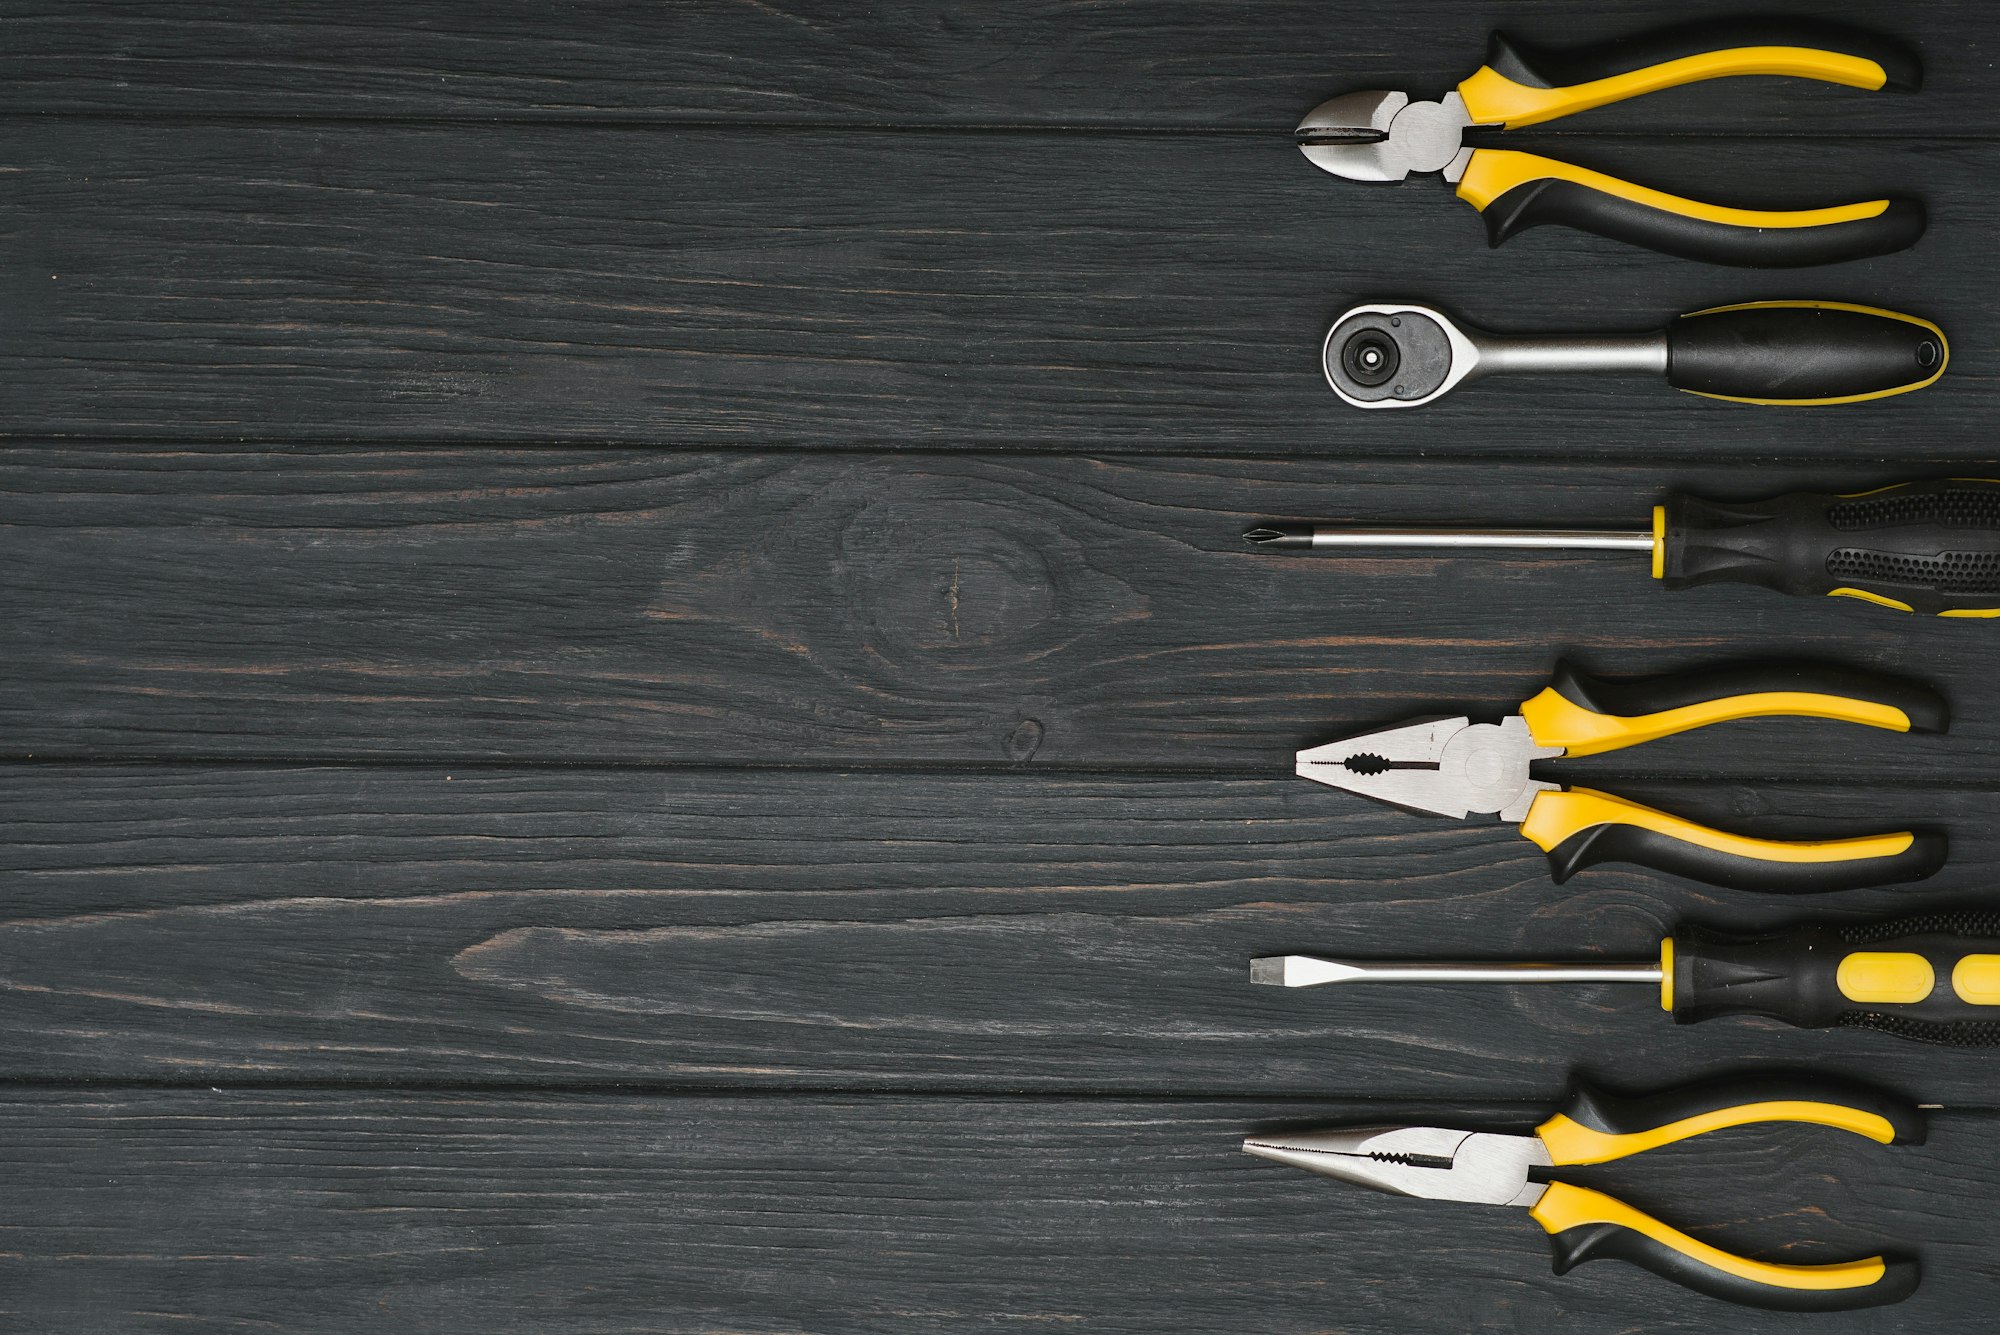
[(1586, 1225)]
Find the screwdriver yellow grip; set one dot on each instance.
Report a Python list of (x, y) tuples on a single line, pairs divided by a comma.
[(1555, 720), (1586, 1225), (1491, 98)]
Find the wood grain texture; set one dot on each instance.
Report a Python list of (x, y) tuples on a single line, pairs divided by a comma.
[(1061, 291), (1171, 64), (795, 607), (323, 1212), (871, 930)]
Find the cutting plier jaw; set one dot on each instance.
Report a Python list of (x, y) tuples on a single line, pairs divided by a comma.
[(1440, 767), (1428, 1162), (1384, 136)]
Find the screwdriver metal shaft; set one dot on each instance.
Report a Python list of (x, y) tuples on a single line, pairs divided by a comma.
[(1313, 971), (1322, 537)]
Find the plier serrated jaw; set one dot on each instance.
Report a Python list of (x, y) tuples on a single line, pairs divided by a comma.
[(1441, 766)]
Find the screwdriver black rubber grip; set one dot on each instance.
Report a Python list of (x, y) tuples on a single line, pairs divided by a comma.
[(1544, 67), (1928, 547), (1933, 979), (1802, 352)]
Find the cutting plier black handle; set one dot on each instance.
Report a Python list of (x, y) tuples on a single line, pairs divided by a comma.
[(1585, 715), (1523, 85), (1586, 1225)]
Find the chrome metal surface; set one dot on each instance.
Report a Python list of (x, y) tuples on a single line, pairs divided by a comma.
[(1437, 354), (1443, 767), (1431, 1162), (1581, 539), (1383, 136), (1315, 971)]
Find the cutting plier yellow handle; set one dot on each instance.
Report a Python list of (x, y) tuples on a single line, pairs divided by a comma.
[(1524, 85), (1520, 85), (1582, 827), (1585, 1225)]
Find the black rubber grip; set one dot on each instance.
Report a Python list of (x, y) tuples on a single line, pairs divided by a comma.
[(1552, 200), (1596, 1242), (1630, 697), (1930, 546), (1800, 353), (1543, 67), (1624, 1115), (1795, 977), (1641, 847)]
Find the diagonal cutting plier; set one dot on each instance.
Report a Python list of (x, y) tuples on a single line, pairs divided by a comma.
[(1484, 1168), (1455, 767), (1384, 136)]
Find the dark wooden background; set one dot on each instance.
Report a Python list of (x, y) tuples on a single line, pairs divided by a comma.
[(632, 702)]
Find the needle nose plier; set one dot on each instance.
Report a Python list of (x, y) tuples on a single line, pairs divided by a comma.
[(1384, 136), (1483, 1168), (1454, 767)]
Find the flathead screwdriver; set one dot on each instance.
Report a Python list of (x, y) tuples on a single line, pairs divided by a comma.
[(1929, 547), (1934, 979)]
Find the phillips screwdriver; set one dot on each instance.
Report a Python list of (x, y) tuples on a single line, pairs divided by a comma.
[(1934, 979), (1928, 547)]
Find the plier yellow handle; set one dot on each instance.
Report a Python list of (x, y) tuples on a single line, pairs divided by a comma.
[(1383, 136), (1454, 767), (1483, 1168)]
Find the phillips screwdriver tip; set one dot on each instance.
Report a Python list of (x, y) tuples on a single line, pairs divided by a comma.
[(1280, 535)]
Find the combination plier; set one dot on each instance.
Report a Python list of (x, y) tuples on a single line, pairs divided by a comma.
[(1455, 767)]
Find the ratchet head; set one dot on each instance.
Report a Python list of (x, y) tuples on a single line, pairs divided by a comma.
[(1396, 355), (1440, 767), (1383, 136), (1431, 1162)]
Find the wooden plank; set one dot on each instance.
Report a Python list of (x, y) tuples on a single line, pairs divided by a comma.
[(690, 286), (791, 607), (324, 1212), (1052, 62), (786, 929)]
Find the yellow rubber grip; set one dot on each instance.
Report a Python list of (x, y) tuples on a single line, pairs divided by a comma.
[(1563, 1207), (1570, 1142), (1491, 98), (1885, 977), (1492, 172), (1556, 816), (1555, 720)]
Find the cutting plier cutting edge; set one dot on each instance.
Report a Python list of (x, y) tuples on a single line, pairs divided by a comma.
[(1385, 136), (1455, 767), (1483, 1168)]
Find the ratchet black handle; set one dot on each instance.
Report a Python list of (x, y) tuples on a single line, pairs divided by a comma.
[(1802, 352), (1927, 547), (1932, 979)]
